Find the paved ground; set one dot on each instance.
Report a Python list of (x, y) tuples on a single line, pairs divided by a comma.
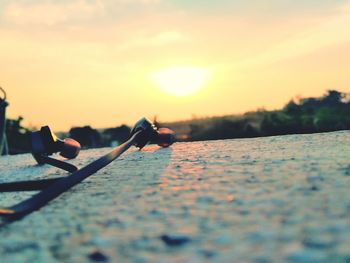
[(275, 199)]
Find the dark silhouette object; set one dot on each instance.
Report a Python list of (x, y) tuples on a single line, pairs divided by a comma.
[(45, 143), (98, 256), (3, 105), (87, 136), (174, 240)]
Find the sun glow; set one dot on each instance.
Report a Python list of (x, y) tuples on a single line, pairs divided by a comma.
[(181, 80)]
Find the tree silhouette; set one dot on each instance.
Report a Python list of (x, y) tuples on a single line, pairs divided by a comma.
[(86, 136), (118, 134)]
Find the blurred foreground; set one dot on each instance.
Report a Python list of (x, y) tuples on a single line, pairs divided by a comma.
[(274, 199)]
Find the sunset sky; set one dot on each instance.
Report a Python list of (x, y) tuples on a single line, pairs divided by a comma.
[(103, 63)]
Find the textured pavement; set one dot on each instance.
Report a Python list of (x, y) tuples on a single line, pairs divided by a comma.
[(273, 199)]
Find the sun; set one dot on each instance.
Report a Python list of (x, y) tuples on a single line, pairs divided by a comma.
[(181, 80)]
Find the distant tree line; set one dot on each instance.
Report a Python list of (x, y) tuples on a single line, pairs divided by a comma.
[(92, 138), (310, 115), (330, 112)]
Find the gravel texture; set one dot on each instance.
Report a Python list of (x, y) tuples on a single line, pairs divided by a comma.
[(273, 199)]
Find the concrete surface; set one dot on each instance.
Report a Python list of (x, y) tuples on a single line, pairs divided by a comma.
[(275, 199)]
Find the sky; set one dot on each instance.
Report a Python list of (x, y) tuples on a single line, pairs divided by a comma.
[(103, 63)]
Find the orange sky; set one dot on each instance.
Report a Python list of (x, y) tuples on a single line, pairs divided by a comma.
[(86, 62)]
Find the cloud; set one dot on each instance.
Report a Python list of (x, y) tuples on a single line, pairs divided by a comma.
[(328, 31), (49, 12), (156, 40), (255, 7)]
